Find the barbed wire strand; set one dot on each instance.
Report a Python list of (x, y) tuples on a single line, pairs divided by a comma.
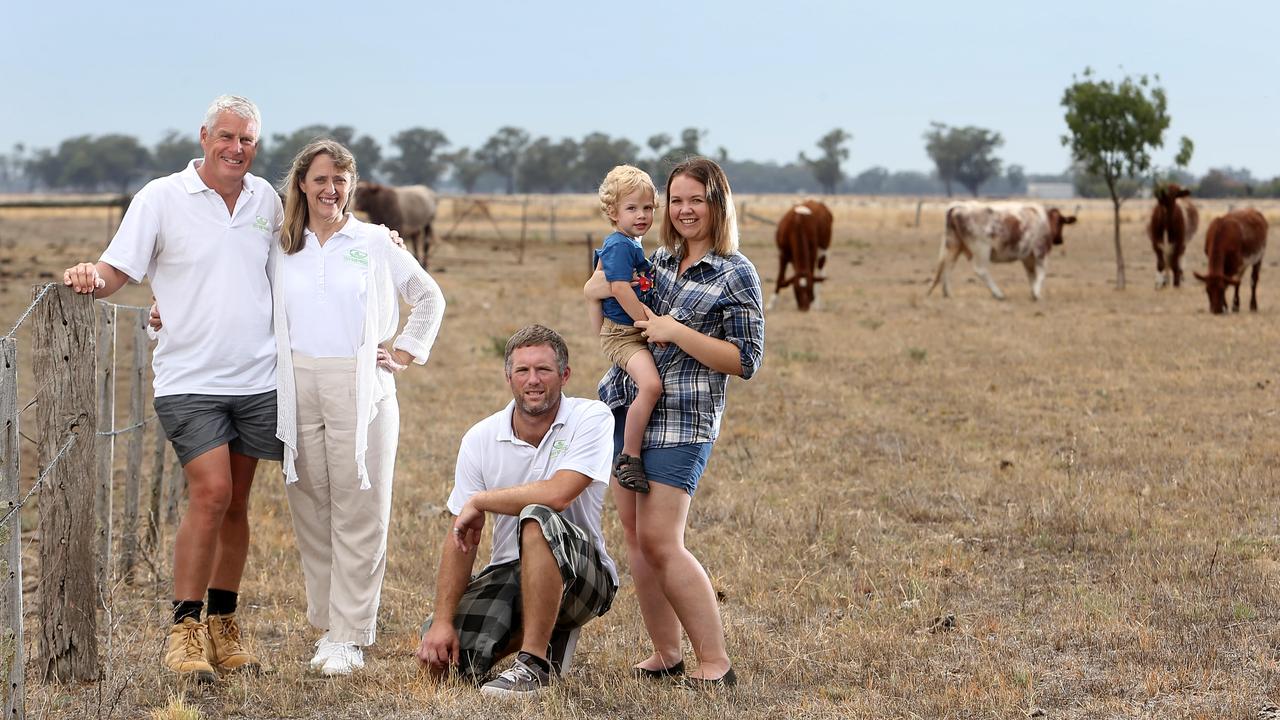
[(44, 290), (30, 309), (121, 431), (44, 474)]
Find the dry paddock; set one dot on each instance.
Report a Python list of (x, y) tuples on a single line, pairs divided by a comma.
[(919, 508)]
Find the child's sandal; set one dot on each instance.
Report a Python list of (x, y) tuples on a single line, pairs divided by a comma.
[(629, 470)]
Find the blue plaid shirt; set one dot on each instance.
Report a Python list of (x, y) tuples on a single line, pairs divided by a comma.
[(719, 297)]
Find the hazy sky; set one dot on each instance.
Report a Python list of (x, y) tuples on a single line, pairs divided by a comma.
[(766, 79)]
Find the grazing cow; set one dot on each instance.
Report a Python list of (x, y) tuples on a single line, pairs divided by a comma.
[(1173, 222), (999, 232), (408, 210), (1234, 243), (803, 237)]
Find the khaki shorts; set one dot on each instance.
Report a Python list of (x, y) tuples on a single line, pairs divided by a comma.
[(620, 342)]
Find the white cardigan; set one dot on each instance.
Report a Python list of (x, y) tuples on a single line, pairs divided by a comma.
[(393, 273)]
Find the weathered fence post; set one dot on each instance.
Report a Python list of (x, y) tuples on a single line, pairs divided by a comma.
[(919, 204), (105, 376), (177, 487), (63, 349), (11, 655), (524, 221), (551, 232), (133, 469), (157, 487)]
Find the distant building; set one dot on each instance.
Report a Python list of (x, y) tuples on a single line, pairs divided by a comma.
[(1051, 190)]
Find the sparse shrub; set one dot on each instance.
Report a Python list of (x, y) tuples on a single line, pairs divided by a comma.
[(177, 709)]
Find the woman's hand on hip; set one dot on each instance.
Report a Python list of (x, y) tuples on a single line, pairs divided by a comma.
[(393, 361)]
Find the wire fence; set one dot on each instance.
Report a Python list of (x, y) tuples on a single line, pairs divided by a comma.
[(77, 434)]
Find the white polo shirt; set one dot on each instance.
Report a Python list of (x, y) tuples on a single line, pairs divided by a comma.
[(208, 270), (492, 457), (325, 289)]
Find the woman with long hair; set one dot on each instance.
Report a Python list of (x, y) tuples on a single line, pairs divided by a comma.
[(337, 283), (706, 323)]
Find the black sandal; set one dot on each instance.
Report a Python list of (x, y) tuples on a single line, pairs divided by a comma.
[(661, 673), (629, 470)]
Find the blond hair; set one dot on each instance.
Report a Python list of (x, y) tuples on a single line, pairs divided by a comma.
[(621, 182), (293, 233), (723, 218)]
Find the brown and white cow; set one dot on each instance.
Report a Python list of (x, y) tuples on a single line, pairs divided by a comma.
[(803, 237), (1173, 223), (999, 232), (1234, 243), (408, 210)]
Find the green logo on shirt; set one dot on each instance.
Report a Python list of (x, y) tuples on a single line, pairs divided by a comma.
[(358, 257), (260, 224), (558, 448)]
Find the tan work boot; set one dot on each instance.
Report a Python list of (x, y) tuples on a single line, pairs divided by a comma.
[(188, 651), (229, 653)]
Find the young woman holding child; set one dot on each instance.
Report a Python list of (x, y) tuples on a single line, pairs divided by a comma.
[(706, 322)]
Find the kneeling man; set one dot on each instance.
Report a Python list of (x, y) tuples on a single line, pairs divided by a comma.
[(541, 466)]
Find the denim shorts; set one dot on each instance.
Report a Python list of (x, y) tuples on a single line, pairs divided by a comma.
[(196, 424), (679, 467)]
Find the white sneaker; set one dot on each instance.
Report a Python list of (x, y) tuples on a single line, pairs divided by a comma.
[(345, 659), (324, 648)]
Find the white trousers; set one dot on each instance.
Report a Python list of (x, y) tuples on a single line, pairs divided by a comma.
[(341, 529)]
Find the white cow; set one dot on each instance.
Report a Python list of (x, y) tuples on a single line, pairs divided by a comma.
[(999, 232)]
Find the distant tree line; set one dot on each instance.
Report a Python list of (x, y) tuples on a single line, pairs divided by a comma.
[(512, 160)]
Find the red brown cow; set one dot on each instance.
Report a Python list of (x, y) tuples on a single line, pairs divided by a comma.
[(999, 232), (1173, 223), (407, 210), (803, 237), (1234, 243)]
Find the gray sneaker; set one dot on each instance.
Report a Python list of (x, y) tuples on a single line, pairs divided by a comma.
[(523, 679)]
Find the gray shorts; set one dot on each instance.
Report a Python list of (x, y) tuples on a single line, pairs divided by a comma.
[(196, 424)]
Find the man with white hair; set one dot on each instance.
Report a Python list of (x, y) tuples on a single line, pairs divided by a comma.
[(201, 236)]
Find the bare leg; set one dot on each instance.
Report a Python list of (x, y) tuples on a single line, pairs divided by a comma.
[(233, 538), (195, 547), (644, 373), (660, 522), (660, 620), (540, 589)]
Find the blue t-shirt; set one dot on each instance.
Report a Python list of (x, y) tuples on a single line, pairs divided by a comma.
[(622, 258)]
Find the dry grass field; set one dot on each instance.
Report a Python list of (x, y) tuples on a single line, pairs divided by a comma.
[(919, 508)]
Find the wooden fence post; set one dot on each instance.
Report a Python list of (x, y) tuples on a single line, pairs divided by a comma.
[(157, 487), (133, 469), (524, 222), (551, 233), (105, 376), (62, 344), (177, 488), (11, 655)]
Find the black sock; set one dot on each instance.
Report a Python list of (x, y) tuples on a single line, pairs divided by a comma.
[(531, 659), (222, 602), (187, 609)]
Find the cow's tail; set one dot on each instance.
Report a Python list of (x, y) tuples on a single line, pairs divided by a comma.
[(949, 235)]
